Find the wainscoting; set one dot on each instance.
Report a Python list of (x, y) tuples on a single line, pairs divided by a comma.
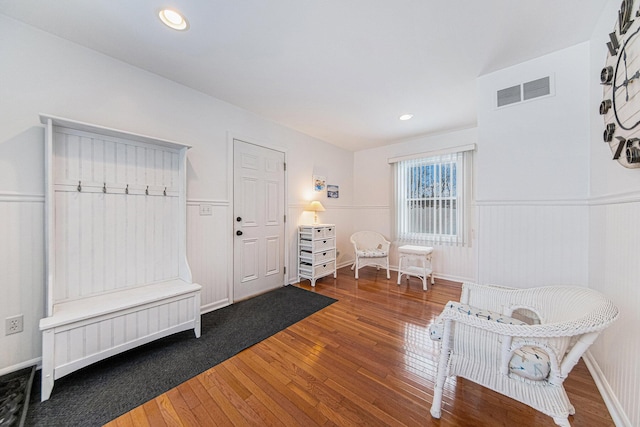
[(517, 244), (207, 251), (457, 263), (614, 269), (538, 243), (21, 277)]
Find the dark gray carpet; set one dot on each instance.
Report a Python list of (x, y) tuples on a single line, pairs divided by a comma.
[(105, 390)]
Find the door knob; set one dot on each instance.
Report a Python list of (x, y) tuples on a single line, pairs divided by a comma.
[(239, 233)]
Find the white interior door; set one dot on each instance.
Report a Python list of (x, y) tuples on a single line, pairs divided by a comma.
[(258, 204)]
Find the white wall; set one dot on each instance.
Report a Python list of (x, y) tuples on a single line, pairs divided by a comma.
[(614, 236), (41, 73), (532, 175), (373, 198)]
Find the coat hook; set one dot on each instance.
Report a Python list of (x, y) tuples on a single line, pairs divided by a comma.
[(126, 190), (165, 191), (104, 187), (79, 185), (146, 191)]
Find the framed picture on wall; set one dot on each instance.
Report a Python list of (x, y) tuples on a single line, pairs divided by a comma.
[(319, 183), (333, 191)]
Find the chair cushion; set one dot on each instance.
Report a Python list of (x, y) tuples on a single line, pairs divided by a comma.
[(530, 362), (372, 253), (527, 361), (415, 250), (485, 314), (436, 328)]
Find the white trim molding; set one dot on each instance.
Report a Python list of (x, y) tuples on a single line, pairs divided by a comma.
[(195, 202), (556, 202), (26, 364), (21, 197), (616, 411), (615, 199)]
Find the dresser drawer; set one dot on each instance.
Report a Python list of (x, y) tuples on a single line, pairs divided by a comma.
[(324, 244), (322, 232), (317, 270), (321, 257), (314, 246)]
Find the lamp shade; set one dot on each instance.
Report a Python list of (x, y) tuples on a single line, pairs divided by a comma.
[(315, 206)]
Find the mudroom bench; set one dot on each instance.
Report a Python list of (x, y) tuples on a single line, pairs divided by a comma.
[(117, 274)]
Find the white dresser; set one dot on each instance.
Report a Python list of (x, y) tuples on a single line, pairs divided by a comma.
[(316, 252)]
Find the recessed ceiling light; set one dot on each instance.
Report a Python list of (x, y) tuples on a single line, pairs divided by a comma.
[(406, 116), (173, 19)]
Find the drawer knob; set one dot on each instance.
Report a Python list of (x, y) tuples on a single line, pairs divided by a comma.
[(239, 233)]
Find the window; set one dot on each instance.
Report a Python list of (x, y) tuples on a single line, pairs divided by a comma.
[(430, 197)]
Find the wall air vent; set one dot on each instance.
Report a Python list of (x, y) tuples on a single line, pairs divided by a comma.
[(509, 95), (525, 91), (536, 88)]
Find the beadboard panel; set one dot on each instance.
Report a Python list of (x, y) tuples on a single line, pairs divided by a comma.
[(81, 343), (614, 271), (207, 251), (116, 207), (22, 276), (96, 160), (133, 241), (532, 244), (449, 262)]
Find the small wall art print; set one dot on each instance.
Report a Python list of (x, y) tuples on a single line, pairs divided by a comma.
[(333, 191), (319, 183)]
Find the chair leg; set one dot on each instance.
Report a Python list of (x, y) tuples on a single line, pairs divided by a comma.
[(357, 267), (441, 377), (562, 421)]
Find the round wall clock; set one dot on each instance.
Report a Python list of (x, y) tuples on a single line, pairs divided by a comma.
[(620, 78)]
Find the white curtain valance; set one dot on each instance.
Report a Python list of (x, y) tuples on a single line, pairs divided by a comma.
[(451, 150)]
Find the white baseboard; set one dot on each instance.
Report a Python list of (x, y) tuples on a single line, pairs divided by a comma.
[(613, 405), (214, 306), (37, 361), (394, 268)]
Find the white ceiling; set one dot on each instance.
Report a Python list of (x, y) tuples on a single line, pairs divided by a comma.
[(339, 70)]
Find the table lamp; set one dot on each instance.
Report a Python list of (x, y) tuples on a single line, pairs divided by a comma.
[(315, 207)]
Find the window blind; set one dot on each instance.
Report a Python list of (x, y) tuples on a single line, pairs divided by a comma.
[(431, 198)]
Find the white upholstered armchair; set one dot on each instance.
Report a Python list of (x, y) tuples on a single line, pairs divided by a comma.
[(521, 343), (371, 248)]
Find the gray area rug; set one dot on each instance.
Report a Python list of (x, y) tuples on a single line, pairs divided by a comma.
[(105, 390)]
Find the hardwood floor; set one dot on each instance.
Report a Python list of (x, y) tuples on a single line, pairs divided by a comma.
[(365, 360)]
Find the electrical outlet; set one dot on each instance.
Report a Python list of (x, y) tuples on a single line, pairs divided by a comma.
[(14, 324), (206, 210)]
